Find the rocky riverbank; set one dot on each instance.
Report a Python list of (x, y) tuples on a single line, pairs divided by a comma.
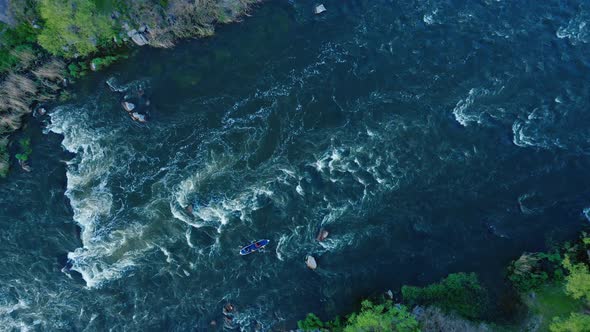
[(45, 45)]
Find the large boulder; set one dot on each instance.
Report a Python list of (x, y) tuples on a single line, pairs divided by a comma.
[(318, 9), (138, 117), (310, 262), (139, 39), (128, 106)]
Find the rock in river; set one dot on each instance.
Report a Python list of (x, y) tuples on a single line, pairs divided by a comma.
[(128, 106), (322, 235), (138, 117), (310, 262), (319, 9)]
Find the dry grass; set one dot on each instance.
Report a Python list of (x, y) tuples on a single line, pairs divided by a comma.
[(186, 18), (50, 74), (26, 57), (19, 91), (525, 264)]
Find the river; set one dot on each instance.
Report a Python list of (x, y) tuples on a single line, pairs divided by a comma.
[(428, 137)]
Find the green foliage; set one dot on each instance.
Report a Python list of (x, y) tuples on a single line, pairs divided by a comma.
[(577, 283), (106, 61), (73, 27), (26, 150), (77, 70), (574, 323), (531, 271), (459, 292), (14, 41), (311, 322), (372, 317), (550, 301), (381, 317)]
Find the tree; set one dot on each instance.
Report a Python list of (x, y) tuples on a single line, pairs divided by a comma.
[(381, 317), (459, 292), (577, 283), (73, 27), (574, 323)]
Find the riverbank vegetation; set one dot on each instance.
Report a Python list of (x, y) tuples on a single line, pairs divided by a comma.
[(48, 43), (552, 287)]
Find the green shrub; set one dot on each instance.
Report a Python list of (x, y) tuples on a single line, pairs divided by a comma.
[(530, 271), (26, 150), (77, 69), (73, 27), (311, 322), (577, 282), (574, 323), (15, 41), (459, 292), (100, 63), (383, 317)]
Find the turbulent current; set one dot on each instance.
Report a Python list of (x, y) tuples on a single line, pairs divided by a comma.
[(427, 137)]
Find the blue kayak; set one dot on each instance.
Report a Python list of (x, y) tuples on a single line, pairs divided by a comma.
[(254, 246)]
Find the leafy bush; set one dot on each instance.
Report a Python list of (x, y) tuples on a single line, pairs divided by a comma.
[(100, 63), (26, 150), (77, 70), (530, 271), (311, 322), (575, 322), (372, 317), (14, 42), (459, 292), (577, 283), (73, 27), (381, 317)]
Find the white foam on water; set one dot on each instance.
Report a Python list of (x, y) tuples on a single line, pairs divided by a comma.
[(586, 213), (465, 112), (577, 30), (103, 255)]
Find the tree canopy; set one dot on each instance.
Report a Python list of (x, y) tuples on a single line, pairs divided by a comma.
[(73, 27)]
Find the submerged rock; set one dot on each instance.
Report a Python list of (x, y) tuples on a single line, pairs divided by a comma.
[(128, 106), (310, 262), (228, 309), (322, 235), (24, 166), (39, 112), (319, 9)]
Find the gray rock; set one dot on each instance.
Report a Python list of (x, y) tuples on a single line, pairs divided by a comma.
[(138, 117), (131, 33), (319, 9), (310, 262), (128, 106), (389, 294), (93, 66), (139, 39)]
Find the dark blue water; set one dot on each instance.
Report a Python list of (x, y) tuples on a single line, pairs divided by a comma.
[(428, 137)]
